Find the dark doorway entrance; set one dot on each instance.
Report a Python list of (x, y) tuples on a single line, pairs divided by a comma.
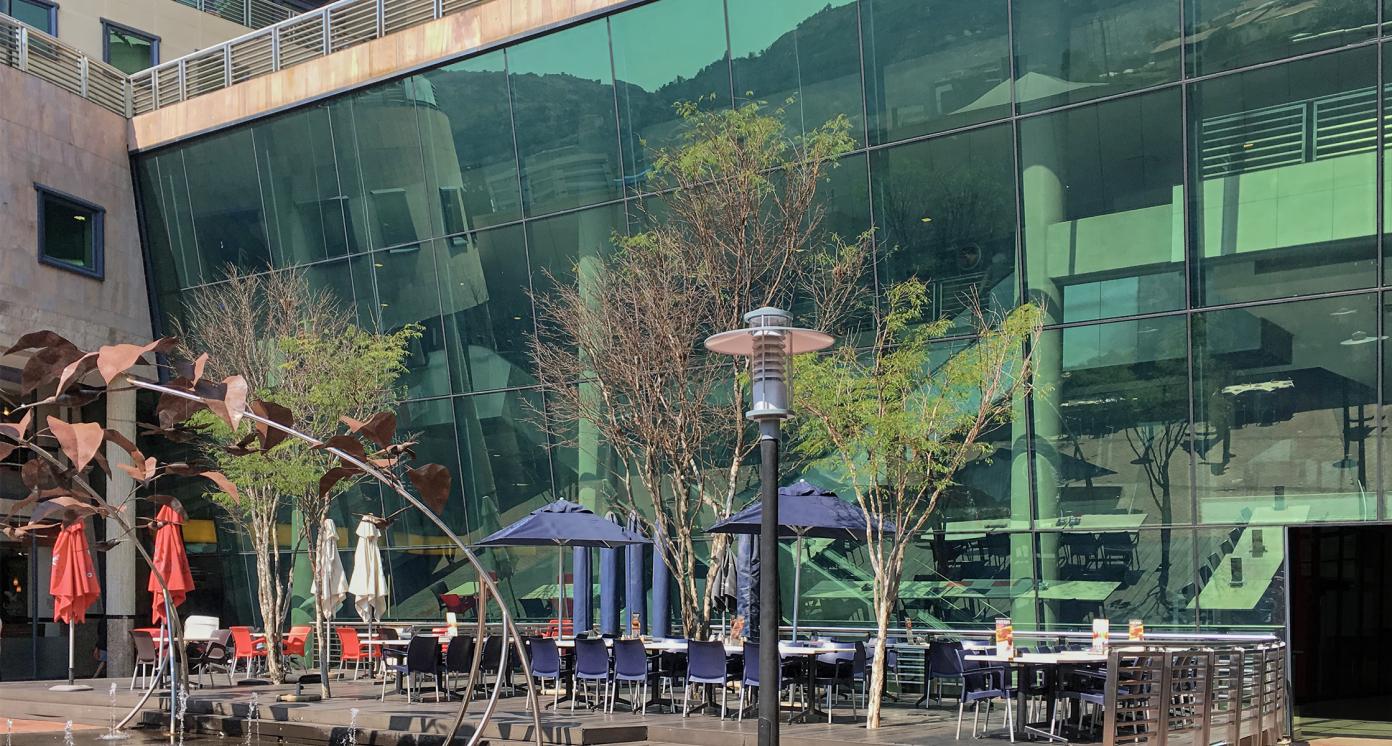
[(1340, 630)]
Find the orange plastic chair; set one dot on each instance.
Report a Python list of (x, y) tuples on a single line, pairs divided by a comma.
[(294, 643), (247, 649), (351, 649)]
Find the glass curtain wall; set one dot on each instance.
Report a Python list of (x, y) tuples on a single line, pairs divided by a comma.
[(1189, 188)]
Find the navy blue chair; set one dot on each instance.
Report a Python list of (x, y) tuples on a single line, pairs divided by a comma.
[(1085, 686), (982, 682), (631, 665), (944, 662), (705, 664), (422, 657), (845, 670), (749, 678), (591, 667), (546, 665)]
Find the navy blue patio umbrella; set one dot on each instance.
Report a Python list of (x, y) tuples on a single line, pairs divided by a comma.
[(805, 511), (562, 524)]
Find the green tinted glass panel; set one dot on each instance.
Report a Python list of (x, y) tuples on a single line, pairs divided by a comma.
[(306, 208), (224, 198), (431, 423), (1223, 34), (556, 245), (1117, 575), (921, 78), (169, 231), (1111, 425), (563, 105), (1241, 578), (946, 215), (1074, 50), (484, 282), (1104, 208), (400, 299), (346, 280), (129, 52), (1283, 407), (343, 138), (1284, 179), (968, 580), (468, 143), (506, 470), (799, 54), (38, 15), (401, 207), (665, 53)]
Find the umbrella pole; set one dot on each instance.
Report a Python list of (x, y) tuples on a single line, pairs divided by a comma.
[(797, 584), (560, 592), (71, 686)]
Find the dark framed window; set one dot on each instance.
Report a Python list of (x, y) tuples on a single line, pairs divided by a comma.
[(41, 14), (127, 49), (70, 232)]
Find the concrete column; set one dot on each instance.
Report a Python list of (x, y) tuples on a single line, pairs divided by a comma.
[(121, 573)]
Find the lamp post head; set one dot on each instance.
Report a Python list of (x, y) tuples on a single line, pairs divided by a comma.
[(770, 342)]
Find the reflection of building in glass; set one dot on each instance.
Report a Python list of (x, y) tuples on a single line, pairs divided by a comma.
[(1200, 226)]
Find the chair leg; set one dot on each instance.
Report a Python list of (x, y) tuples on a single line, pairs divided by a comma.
[(1009, 720), (574, 692), (740, 717), (960, 707), (686, 699), (724, 692)]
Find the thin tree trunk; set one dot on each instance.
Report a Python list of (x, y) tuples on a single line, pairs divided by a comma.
[(887, 582), (267, 583)]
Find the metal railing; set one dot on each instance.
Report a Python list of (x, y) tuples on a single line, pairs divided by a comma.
[(30, 50), (1287, 134), (318, 33), (249, 13)]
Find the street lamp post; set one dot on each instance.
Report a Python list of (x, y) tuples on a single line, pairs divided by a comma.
[(770, 342)]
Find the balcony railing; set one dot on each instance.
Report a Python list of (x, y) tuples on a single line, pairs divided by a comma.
[(250, 13), (308, 36), (30, 50)]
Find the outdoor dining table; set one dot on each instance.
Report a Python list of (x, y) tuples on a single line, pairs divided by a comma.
[(1064, 660)]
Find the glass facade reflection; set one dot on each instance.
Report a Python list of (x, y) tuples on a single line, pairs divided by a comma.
[(1190, 188)]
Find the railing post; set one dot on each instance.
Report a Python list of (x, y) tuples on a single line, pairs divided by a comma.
[(328, 45), (23, 47), (381, 19), (154, 89), (439, 8), (227, 66), (128, 96), (275, 47), (82, 74), (246, 13), (183, 81)]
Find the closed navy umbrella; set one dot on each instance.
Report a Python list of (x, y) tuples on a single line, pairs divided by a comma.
[(804, 511), (562, 524)]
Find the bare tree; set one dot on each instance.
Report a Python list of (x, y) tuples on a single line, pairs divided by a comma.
[(738, 226)]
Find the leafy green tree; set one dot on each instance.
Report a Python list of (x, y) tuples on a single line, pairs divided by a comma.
[(899, 421), (298, 348)]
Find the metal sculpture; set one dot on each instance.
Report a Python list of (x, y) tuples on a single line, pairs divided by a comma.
[(58, 363)]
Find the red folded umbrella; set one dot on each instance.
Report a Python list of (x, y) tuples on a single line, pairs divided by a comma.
[(171, 560), (73, 583)]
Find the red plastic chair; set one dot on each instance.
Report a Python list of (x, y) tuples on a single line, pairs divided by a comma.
[(247, 649), (294, 643), (563, 628), (351, 649)]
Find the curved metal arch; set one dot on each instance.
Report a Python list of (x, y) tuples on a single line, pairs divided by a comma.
[(509, 628)]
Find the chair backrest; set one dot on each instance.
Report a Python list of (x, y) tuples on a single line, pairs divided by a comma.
[(751, 664), (977, 676), (388, 633), (144, 646), (591, 658), (241, 637), (492, 653), (858, 659), (945, 658), (630, 658), (546, 657), (201, 626), (705, 659), (460, 654), (422, 654), (296, 640), (220, 649), (348, 640)]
